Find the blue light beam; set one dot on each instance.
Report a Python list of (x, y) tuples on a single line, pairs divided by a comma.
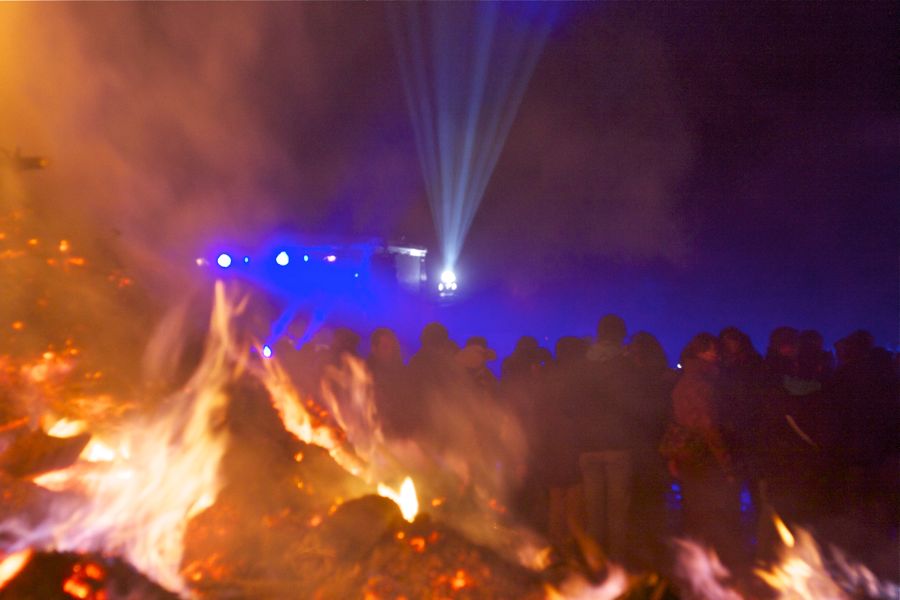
[(463, 90)]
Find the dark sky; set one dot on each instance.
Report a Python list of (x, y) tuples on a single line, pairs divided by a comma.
[(690, 165)]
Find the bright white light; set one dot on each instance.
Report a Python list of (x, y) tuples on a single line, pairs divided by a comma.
[(440, 287), (356, 275), (331, 258), (246, 259), (224, 260), (267, 352), (448, 277), (283, 259), (306, 258)]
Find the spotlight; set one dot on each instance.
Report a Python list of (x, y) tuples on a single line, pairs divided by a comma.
[(306, 258), (246, 260), (283, 259), (224, 260), (448, 282), (267, 352), (331, 258)]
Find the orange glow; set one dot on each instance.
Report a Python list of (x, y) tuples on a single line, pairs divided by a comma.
[(495, 506), (76, 588), (417, 543), (63, 245), (94, 571), (13, 564), (18, 325), (460, 580)]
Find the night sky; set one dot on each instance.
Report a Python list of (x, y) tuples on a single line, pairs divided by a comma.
[(688, 165)]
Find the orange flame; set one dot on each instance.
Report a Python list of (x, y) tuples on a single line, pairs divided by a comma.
[(13, 564), (137, 499)]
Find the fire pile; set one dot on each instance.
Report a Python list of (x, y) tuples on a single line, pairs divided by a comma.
[(209, 495)]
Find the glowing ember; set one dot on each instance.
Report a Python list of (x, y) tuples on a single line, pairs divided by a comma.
[(406, 498), (11, 565), (86, 582)]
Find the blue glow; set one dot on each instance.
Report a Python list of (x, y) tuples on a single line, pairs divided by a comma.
[(224, 260), (306, 258), (246, 260), (282, 259), (267, 352)]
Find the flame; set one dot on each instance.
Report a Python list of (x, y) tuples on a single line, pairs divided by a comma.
[(137, 503), (702, 570), (406, 498), (783, 532), (800, 572), (577, 588), (13, 564), (65, 428), (298, 419)]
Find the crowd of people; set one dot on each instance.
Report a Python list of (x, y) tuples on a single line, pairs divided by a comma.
[(631, 452)]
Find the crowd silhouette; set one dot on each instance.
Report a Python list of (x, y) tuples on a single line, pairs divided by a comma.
[(632, 452)]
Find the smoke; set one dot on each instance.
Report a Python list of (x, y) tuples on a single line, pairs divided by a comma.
[(602, 144)]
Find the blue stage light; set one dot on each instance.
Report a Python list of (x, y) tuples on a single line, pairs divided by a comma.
[(224, 260), (306, 258), (283, 259), (246, 260), (267, 352)]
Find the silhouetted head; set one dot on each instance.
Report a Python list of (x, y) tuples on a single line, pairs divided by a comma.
[(477, 340), (645, 350), (434, 335), (784, 343), (611, 329), (736, 346), (526, 345), (345, 340), (704, 347), (384, 345), (854, 347), (475, 354)]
